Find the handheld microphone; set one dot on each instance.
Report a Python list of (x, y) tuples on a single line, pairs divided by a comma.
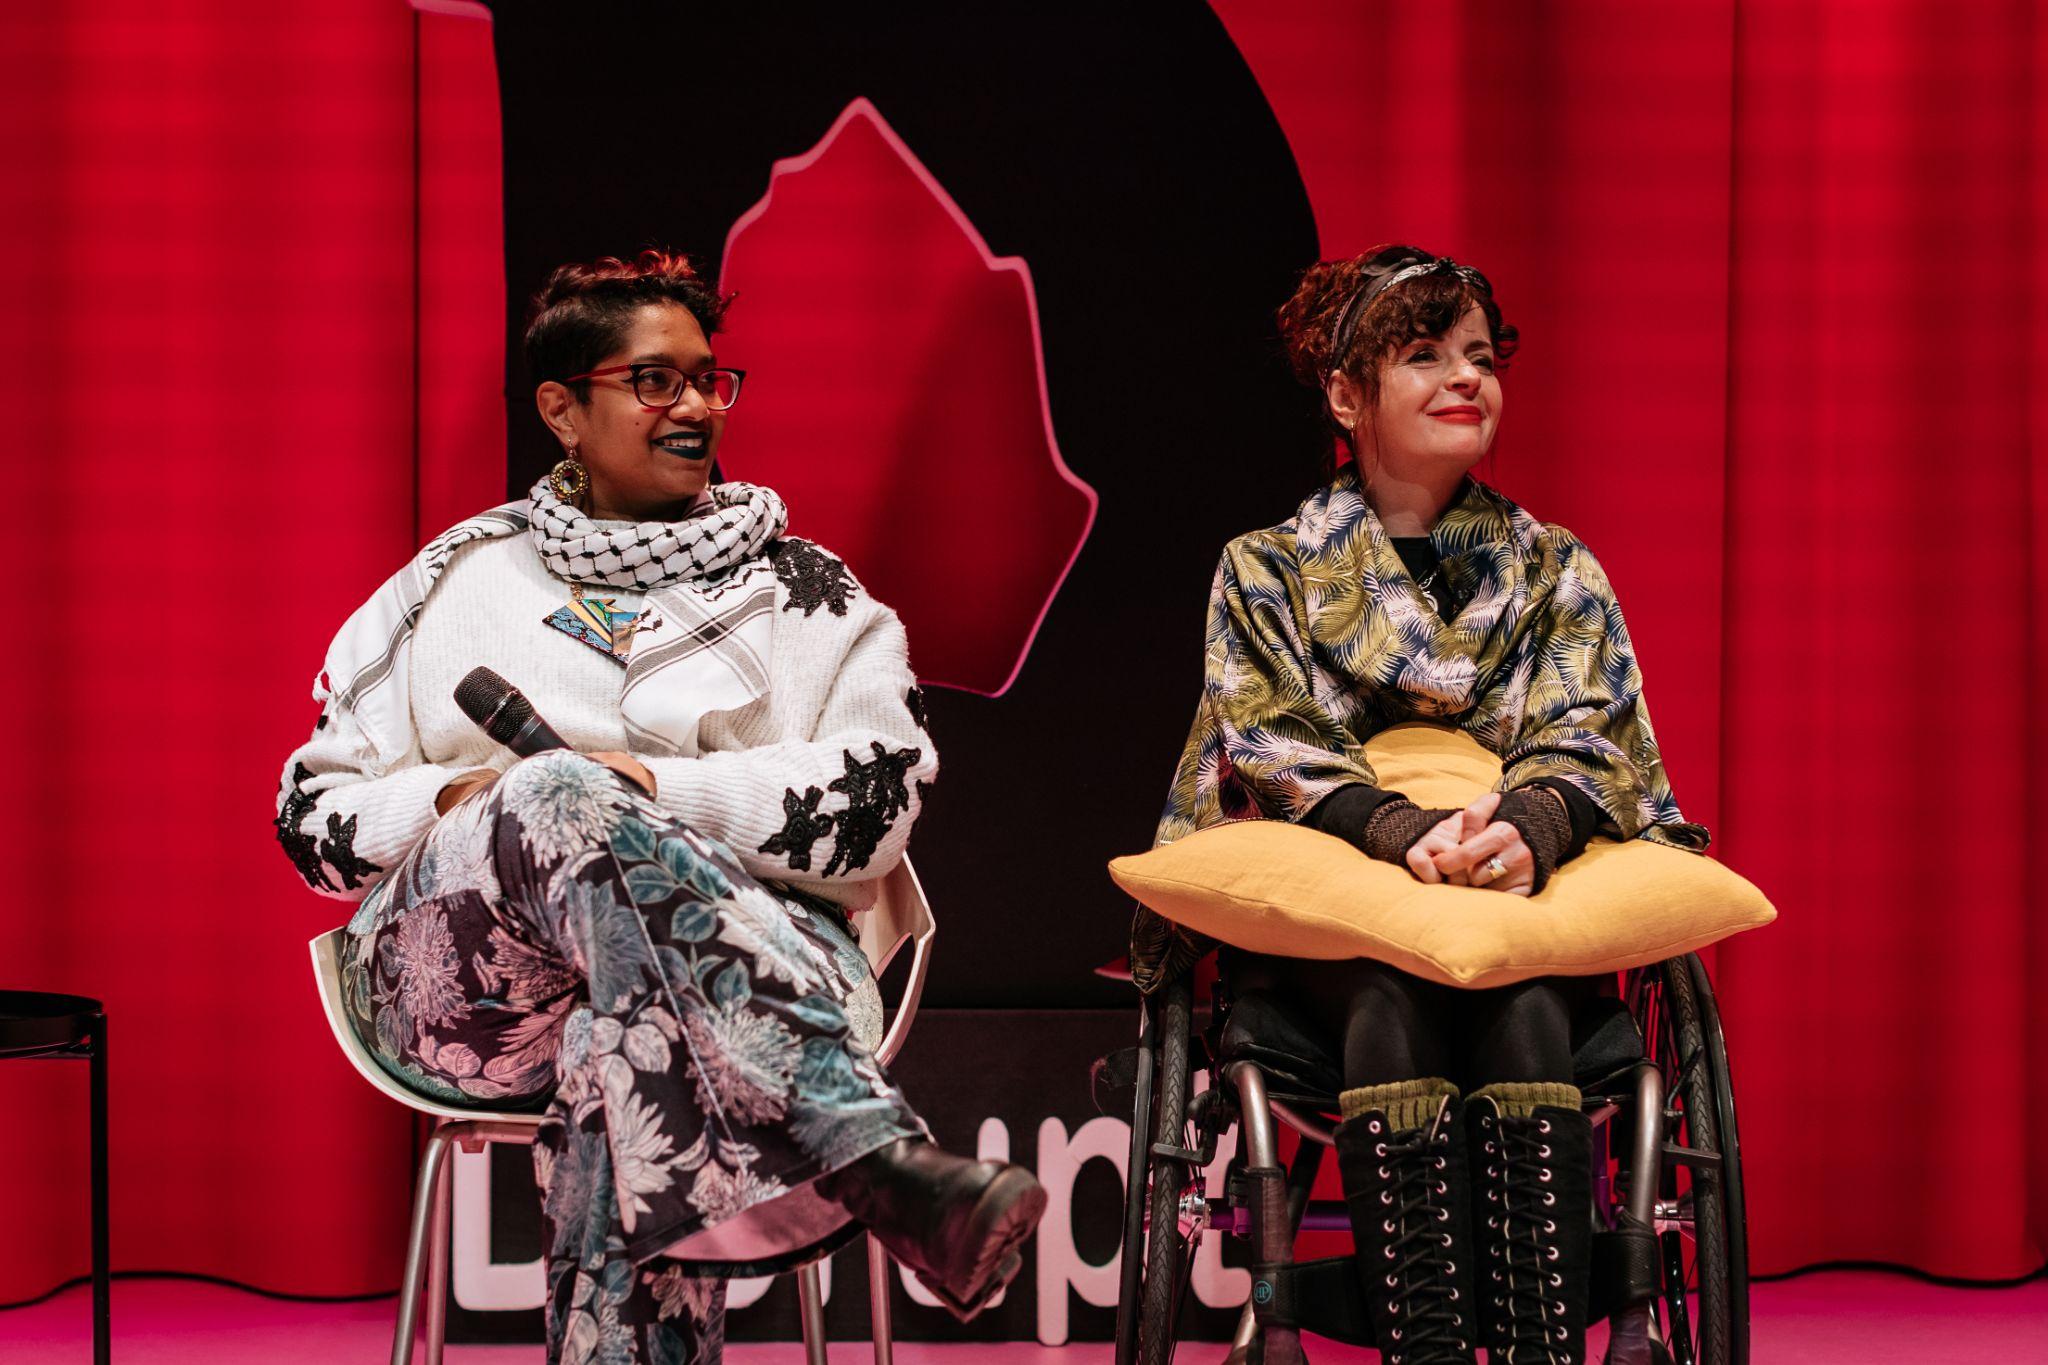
[(504, 713)]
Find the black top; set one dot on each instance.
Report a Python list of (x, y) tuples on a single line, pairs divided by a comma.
[(1420, 559)]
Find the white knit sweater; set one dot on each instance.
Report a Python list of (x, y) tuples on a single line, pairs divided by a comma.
[(841, 695)]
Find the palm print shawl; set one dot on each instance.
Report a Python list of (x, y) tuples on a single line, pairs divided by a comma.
[(1318, 639)]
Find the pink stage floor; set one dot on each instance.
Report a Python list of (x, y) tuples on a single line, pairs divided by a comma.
[(1829, 1319)]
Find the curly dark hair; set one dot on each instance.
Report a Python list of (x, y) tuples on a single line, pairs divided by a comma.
[(1425, 306), (581, 314)]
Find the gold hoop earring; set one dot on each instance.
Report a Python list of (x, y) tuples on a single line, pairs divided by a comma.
[(570, 479)]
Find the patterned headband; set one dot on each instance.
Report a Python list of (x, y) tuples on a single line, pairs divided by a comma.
[(1372, 289)]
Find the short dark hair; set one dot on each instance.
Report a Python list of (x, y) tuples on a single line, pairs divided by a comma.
[(1427, 305), (581, 314)]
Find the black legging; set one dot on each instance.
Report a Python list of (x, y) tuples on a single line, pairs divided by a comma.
[(1397, 1027)]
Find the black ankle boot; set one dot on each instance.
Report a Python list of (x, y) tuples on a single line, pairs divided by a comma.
[(1532, 1184), (1401, 1152), (956, 1223)]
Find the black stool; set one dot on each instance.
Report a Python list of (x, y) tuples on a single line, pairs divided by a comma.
[(39, 1024)]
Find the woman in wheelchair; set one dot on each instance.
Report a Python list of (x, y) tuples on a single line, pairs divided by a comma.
[(1405, 590), (643, 931)]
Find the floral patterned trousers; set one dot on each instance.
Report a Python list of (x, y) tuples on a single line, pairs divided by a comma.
[(694, 1036)]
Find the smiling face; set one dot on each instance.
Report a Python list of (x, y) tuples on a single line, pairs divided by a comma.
[(1439, 405), (646, 464)]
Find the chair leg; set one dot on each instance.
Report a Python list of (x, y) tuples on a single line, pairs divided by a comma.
[(879, 1268), (102, 1271), (410, 1290), (810, 1298), (439, 1232)]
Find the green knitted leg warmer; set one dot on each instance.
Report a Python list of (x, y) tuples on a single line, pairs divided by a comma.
[(1518, 1099), (1407, 1104)]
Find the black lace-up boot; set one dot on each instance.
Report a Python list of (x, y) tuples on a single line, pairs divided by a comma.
[(1532, 1198), (1401, 1151)]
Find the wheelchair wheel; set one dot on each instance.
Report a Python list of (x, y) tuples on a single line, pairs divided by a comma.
[(1703, 1236), (1158, 1258)]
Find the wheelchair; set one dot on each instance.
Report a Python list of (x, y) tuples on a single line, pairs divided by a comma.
[(1667, 1174)]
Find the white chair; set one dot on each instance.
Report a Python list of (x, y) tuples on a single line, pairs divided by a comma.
[(899, 916)]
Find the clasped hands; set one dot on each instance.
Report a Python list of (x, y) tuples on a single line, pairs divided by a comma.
[(1455, 851), (478, 780)]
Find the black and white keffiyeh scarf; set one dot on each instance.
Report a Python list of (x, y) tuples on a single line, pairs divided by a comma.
[(703, 642), (730, 524)]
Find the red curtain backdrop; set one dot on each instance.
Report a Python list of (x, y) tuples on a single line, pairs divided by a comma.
[(216, 324), (1779, 269)]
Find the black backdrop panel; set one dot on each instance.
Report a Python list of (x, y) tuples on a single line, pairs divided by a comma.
[(984, 1080), (1128, 156)]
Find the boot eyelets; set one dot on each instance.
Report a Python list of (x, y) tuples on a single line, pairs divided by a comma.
[(1393, 1283), (1550, 1253), (1386, 1174), (1372, 1126), (1543, 1126), (1386, 1196), (1549, 1200), (1557, 1281), (1543, 1152), (1388, 1227), (1379, 1149), (1544, 1176), (1549, 1227)]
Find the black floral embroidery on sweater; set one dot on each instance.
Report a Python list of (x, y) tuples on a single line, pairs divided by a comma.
[(339, 851), (914, 699), (875, 796), (303, 849), (802, 827), (813, 577)]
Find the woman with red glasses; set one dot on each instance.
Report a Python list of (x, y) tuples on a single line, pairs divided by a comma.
[(645, 931)]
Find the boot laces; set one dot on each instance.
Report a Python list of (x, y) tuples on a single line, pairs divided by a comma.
[(1526, 1281), (1419, 1273)]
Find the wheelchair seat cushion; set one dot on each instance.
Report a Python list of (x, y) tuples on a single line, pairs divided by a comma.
[(1274, 887), (1298, 1059)]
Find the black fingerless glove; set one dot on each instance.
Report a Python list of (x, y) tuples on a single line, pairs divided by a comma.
[(1545, 827), (1393, 828)]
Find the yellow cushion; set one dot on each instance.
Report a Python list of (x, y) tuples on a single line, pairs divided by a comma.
[(1279, 888)]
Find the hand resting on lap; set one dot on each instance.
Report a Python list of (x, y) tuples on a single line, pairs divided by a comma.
[(480, 779)]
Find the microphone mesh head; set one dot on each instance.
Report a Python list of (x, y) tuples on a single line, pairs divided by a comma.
[(492, 703)]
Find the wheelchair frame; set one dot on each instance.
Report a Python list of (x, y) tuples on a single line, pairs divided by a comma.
[(1679, 1254)]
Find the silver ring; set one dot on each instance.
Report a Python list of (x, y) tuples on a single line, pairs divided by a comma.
[(1495, 867)]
